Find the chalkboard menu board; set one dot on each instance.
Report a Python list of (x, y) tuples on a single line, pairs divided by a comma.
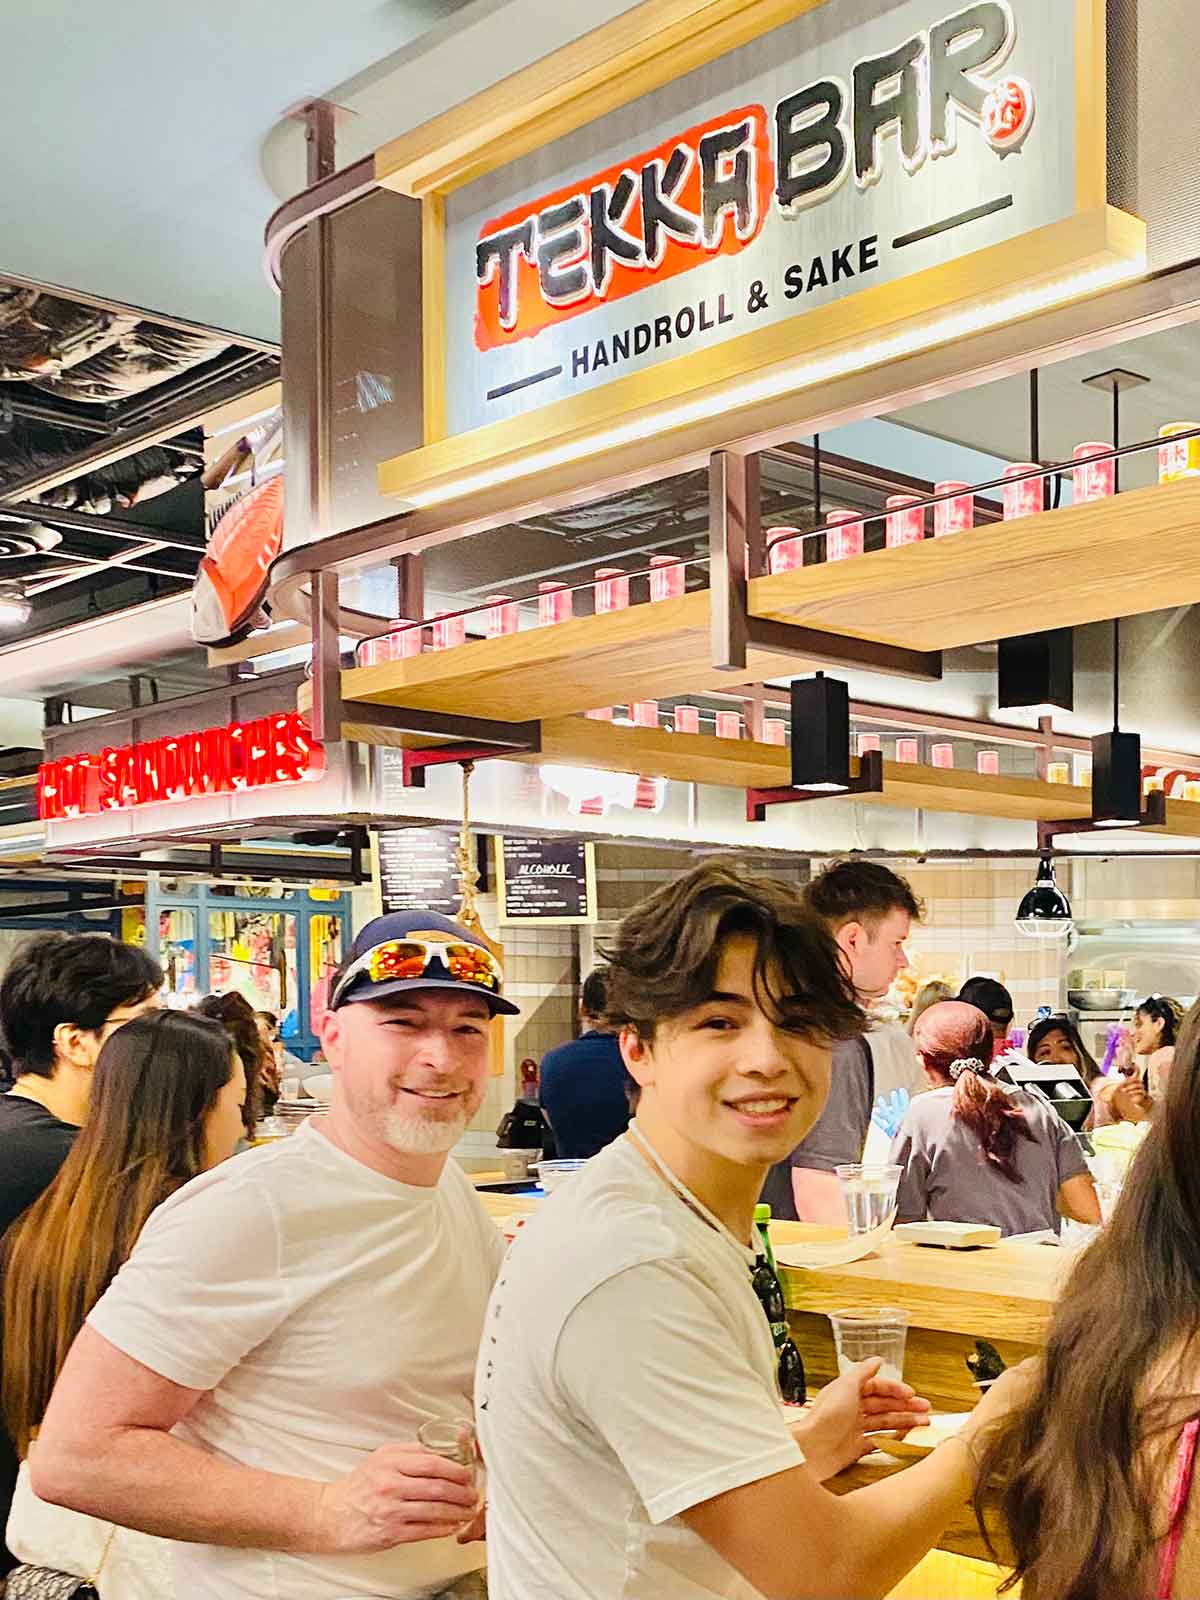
[(417, 869), (546, 880)]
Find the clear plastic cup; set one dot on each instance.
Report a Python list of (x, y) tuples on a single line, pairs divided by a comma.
[(874, 1331), (869, 1194)]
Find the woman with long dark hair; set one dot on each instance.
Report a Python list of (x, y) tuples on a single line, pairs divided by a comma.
[(240, 1021), (1093, 1472), (976, 1150), (1156, 1024), (166, 1105)]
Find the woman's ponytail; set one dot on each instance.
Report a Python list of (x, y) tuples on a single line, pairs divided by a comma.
[(955, 1043), (981, 1104)]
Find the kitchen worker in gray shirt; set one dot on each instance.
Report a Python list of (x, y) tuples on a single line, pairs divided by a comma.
[(869, 910)]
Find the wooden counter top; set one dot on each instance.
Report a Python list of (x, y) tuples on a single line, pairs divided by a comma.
[(1005, 1293)]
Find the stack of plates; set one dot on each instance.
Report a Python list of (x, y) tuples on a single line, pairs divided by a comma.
[(293, 1112)]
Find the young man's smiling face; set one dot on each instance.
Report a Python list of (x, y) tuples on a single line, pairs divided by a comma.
[(725, 1077)]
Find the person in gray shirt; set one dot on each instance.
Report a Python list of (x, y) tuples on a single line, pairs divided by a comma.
[(869, 910), (974, 1150)]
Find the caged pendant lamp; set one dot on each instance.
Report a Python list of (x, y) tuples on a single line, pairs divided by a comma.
[(1045, 911)]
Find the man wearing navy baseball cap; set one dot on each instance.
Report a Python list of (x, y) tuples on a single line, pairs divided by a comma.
[(253, 1383)]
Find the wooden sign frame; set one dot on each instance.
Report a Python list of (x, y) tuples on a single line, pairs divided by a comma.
[(649, 46)]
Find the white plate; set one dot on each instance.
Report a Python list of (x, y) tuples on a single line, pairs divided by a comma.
[(919, 1442), (815, 1255)]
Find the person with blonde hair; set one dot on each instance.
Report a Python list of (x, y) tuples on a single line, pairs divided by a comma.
[(931, 992)]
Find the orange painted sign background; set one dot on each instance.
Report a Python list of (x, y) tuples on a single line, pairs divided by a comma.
[(700, 194)]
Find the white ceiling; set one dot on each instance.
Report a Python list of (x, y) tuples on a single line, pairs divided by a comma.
[(994, 418), (147, 142)]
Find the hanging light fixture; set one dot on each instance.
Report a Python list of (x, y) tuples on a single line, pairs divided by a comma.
[(1037, 671), (821, 734), (1116, 763), (1045, 912)]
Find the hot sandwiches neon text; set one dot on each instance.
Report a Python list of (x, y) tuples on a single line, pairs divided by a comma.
[(243, 755)]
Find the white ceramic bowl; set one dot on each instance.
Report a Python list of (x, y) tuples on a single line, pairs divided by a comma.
[(320, 1088)]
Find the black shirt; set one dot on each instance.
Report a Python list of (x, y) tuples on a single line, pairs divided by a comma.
[(33, 1146), (583, 1094)]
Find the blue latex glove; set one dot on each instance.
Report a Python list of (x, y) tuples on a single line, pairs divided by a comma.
[(889, 1111)]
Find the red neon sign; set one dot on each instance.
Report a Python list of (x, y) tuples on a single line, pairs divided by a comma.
[(243, 755)]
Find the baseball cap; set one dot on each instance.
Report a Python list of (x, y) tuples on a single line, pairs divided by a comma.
[(988, 996), (406, 950)]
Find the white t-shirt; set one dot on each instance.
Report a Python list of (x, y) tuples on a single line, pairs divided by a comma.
[(326, 1310), (626, 1374)]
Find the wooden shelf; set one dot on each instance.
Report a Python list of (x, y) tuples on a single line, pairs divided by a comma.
[(645, 651), (744, 764), (1113, 558), (1136, 552)]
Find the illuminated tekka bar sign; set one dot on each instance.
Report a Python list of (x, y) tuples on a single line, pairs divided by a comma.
[(851, 149), (243, 755), (707, 191)]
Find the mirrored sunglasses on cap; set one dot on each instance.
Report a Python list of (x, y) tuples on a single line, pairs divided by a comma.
[(398, 959)]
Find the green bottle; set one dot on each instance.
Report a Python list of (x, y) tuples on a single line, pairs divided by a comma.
[(762, 1221), (769, 1290)]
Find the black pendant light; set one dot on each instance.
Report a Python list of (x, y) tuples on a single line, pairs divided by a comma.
[(1037, 671), (1116, 764), (821, 734), (1045, 912)]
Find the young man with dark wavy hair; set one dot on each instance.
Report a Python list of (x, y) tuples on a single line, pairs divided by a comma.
[(627, 1388)]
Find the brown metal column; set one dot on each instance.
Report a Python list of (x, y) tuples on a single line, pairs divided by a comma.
[(410, 587), (321, 135), (734, 539), (326, 658)]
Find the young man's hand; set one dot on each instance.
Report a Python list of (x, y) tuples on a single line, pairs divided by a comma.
[(399, 1494), (834, 1433)]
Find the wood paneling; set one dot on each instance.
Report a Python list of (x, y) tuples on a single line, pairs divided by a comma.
[(935, 1362), (647, 46), (1113, 558), (744, 764), (1004, 1293), (573, 666)]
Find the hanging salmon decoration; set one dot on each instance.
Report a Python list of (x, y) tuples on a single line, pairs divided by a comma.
[(244, 538)]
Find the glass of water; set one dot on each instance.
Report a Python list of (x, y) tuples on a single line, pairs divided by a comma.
[(454, 1440), (875, 1331), (869, 1194)]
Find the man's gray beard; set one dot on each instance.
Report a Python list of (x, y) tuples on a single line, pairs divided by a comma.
[(421, 1135)]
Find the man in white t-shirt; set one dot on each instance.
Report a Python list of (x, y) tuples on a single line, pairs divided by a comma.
[(627, 1392), (252, 1383)]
